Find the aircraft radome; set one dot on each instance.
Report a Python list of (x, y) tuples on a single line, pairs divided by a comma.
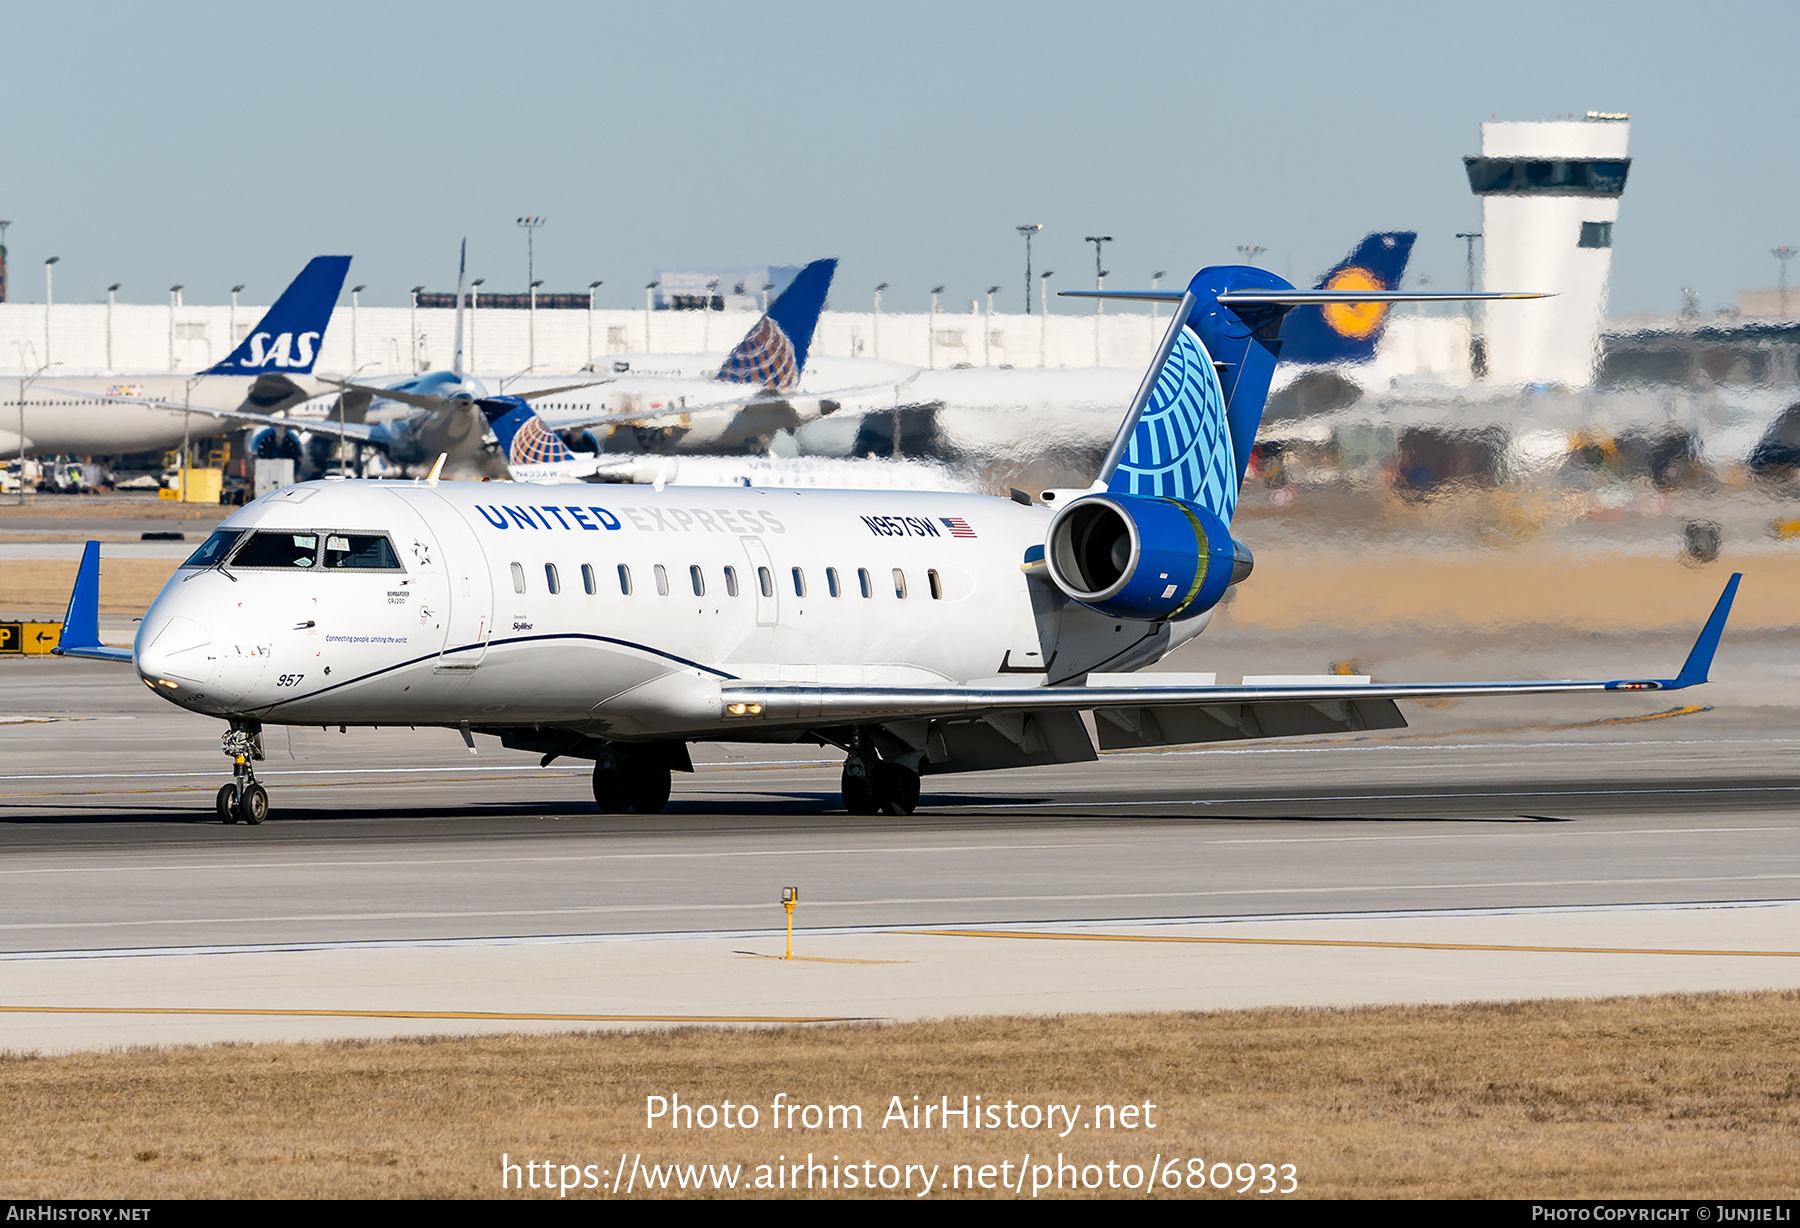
[(920, 632)]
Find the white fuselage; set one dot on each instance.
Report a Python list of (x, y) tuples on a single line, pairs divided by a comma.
[(465, 627), (58, 420)]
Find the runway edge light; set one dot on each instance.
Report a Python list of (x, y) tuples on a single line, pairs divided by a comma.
[(790, 896)]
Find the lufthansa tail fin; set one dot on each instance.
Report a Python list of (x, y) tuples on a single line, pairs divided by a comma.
[(773, 354), (1346, 332), (288, 337)]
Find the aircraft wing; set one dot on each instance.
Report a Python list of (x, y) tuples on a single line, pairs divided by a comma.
[(428, 400), (359, 431), (830, 705), (714, 407)]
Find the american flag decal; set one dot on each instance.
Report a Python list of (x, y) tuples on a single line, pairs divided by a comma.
[(958, 526)]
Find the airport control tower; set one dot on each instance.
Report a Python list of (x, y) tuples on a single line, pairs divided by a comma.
[(1549, 198)]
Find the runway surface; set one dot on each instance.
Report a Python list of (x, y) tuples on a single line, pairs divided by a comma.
[(401, 839)]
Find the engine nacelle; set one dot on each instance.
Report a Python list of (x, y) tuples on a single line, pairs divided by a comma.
[(1145, 559)]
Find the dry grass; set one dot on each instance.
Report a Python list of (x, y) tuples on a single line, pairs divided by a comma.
[(41, 586), (1692, 1096)]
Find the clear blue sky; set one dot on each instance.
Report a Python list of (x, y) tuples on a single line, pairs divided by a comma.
[(211, 144)]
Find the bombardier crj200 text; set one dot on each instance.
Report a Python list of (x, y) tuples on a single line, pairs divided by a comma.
[(919, 632)]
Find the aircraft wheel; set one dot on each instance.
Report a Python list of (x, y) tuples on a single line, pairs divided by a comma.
[(858, 789), (896, 788), (253, 806), (610, 793), (227, 804), (649, 789)]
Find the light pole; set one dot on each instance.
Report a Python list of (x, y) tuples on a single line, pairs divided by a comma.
[(531, 330), (1155, 282), (1043, 316), (1468, 237), (355, 291), (49, 265), (649, 306), (112, 297), (1099, 241), (412, 325), (25, 382), (987, 329), (1784, 253), (174, 302), (712, 292), (1250, 251), (530, 226), (875, 331), (474, 292), (592, 286), (931, 329), (1028, 231), (230, 326), (4, 223)]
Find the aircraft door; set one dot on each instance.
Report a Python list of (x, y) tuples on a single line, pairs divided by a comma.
[(762, 581), (470, 624)]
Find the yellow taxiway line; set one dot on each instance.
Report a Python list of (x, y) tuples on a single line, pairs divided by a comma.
[(1339, 942)]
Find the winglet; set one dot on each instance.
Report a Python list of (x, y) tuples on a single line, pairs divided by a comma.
[(1698, 665), (81, 624)]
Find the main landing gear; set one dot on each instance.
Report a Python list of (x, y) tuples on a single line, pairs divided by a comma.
[(243, 799), (628, 777), (879, 786)]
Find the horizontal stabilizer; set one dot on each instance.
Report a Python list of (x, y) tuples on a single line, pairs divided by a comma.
[(1300, 298)]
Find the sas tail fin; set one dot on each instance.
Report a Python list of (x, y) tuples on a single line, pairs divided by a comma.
[(1348, 332), (773, 354), (524, 439), (289, 336)]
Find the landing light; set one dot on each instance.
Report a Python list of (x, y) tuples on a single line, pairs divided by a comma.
[(165, 682), (744, 709)]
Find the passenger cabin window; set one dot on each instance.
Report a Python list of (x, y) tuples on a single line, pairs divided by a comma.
[(899, 584), (697, 580), (282, 550), (360, 552), (625, 579), (662, 581), (731, 581), (799, 583), (831, 582), (765, 581), (862, 578), (518, 574), (937, 588), (550, 579), (587, 579), (214, 549)]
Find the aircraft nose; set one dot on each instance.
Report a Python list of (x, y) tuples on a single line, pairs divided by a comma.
[(175, 649)]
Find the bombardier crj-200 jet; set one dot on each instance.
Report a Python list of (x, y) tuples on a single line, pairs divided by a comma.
[(921, 633)]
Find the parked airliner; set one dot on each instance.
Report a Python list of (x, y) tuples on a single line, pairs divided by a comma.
[(920, 632), (111, 414)]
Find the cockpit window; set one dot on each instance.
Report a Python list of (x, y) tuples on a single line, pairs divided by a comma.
[(214, 549), (360, 552), (282, 550)]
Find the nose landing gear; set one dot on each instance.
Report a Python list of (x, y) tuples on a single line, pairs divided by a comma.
[(243, 799)]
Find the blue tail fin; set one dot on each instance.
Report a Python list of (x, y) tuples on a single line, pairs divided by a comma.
[(1346, 332), (522, 434), (773, 354), (288, 337), (1202, 400)]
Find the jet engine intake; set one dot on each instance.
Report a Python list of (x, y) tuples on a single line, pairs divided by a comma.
[(1141, 558)]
